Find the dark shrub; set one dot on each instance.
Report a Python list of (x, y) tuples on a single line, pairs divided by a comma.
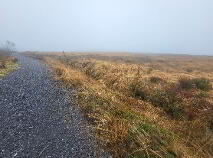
[(176, 111), (186, 83), (159, 98), (167, 100), (189, 70), (155, 79), (138, 89), (202, 84), (140, 93)]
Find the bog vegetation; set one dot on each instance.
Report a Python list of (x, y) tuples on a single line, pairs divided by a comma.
[(143, 105)]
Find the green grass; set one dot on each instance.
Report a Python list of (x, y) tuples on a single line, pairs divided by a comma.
[(154, 137)]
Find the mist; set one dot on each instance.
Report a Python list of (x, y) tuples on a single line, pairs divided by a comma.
[(161, 26)]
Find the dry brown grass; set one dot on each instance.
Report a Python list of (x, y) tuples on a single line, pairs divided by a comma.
[(7, 63), (137, 104)]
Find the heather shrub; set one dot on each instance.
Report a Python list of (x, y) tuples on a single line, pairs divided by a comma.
[(167, 100), (139, 90), (176, 110), (186, 83), (159, 98)]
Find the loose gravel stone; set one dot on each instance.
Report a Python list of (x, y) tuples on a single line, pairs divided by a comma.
[(33, 110)]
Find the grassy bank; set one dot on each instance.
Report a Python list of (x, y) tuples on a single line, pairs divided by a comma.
[(143, 105), (7, 63)]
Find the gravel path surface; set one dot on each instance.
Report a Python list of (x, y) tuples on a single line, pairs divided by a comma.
[(33, 116)]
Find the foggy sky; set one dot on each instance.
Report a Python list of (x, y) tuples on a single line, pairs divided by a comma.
[(166, 26)]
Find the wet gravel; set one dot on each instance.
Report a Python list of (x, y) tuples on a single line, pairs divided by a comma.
[(38, 118)]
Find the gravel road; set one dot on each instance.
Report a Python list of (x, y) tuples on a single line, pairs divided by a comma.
[(38, 118)]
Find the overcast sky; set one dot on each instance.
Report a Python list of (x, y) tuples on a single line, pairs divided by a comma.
[(167, 26)]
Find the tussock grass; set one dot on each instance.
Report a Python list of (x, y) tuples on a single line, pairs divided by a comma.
[(143, 106)]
